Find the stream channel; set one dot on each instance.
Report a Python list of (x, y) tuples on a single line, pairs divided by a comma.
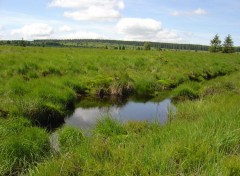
[(89, 112)]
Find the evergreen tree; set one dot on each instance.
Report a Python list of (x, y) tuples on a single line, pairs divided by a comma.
[(228, 45), (123, 47), (22, 43), (215, 44)]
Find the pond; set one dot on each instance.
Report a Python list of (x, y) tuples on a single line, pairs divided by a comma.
[(129, 111)]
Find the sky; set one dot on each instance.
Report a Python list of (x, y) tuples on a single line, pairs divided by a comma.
[(172, 21)]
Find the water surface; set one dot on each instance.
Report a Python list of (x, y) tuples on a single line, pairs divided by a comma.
[(133, 111)]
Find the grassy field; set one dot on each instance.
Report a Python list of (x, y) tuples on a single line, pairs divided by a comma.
[(42, 85)]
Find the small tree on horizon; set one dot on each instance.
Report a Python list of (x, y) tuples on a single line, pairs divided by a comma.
[(228, 45), (215, 44), (23, 43), (147, 46)]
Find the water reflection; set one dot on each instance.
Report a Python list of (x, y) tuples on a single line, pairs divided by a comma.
[(151, 111)]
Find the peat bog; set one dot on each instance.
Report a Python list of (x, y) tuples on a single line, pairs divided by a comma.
[(41, 86)]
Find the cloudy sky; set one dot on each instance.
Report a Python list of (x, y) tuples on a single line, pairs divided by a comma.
[(178, 21)]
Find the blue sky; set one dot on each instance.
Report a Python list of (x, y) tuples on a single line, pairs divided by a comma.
[(178, 21)]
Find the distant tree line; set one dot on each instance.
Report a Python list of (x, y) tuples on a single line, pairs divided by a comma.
[(226, 47), (16, 42), (137, 44), (121, 45)]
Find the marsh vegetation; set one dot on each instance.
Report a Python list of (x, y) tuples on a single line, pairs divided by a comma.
[(41, 86)]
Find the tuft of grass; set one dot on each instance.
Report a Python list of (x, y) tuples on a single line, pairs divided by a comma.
[(65, 165), (137, 127), (232, 164), (109, 127), (21, 146), (189, 90), (70, 137)]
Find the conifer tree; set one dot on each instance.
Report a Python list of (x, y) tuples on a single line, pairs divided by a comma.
[(22, 43), (228, 45), (215, 44)]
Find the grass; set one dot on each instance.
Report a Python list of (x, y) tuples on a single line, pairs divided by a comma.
[(109, 127), (205, 144), (203, 139), (41, 85), (47, 81), (21, 145), (189, 90)]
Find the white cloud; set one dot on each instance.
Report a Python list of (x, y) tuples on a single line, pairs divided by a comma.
[(93, 13), (65, 28), (198, 11), (86, 3), (138, 26), (1, 31), (176, 13), (145, 30), (90, 10), (1, 28), (34, 30)]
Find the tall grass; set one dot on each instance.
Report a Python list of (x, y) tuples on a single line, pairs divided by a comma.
[(53, 78), (43, 84), (203, 139), (21, 146)]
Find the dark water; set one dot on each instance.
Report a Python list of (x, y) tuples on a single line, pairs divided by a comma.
[(134, 111)]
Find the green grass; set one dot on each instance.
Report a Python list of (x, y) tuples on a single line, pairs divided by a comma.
[(203, 139), (188, 90), (109, 127), (21, 146), (69, 137), (42, 85)]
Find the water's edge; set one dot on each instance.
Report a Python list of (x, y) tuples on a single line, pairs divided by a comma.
[(86, 117)]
